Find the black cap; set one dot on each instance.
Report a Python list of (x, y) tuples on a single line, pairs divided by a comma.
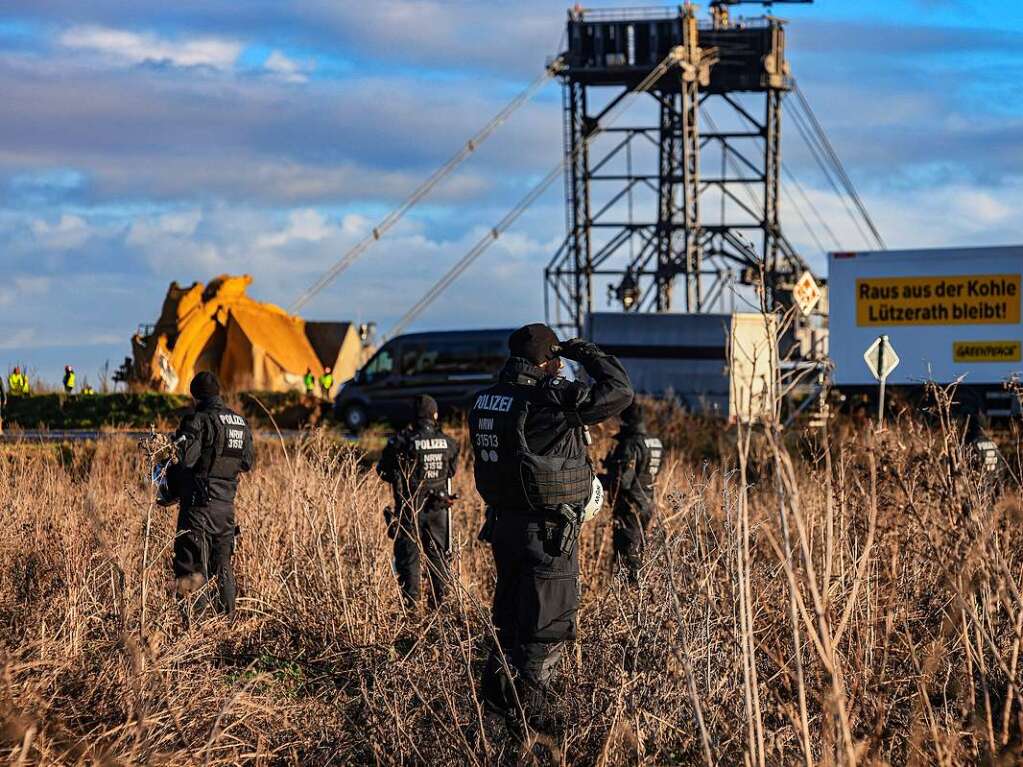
[(633, 414), (205, 385), (425, 406), (535, 342)]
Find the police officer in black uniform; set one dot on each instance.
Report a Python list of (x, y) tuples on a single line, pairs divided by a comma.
[(419, 462), (215, 447), (632, 467), (531, 467)]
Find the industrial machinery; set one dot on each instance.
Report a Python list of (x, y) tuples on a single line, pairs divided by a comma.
[(715, 91), (247, 343), (703, 213), (677, 210)]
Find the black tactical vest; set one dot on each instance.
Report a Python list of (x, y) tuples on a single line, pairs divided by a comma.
[(653, 451), (508, 474), (428, 457), (229, 434)]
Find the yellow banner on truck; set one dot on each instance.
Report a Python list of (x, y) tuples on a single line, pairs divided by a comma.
[(983, 299)]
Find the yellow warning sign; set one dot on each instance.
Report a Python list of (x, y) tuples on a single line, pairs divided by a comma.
[(807, 293), (983, 299), (986, 351)]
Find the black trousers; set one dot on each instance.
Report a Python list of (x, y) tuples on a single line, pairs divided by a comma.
[(204, 546), (629, 535), (425, 532), (535, 603)]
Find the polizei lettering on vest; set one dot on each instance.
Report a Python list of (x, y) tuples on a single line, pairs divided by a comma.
[(231, 419), (431, 444), (496, 403)]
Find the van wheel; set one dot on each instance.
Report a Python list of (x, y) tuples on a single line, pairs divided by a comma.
[(355, 418)]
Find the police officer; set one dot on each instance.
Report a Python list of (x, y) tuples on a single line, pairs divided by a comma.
[(215, 447), (309, 380), (632, 467), (69, 379), (418, 462), (531, 467)]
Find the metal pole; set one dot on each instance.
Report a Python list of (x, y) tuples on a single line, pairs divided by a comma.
[(881, 374)]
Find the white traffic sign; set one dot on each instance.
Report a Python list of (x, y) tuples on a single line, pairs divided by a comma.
[(806, 293), (881, 358)]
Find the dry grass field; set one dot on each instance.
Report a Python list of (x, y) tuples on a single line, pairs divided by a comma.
[(848, 598)]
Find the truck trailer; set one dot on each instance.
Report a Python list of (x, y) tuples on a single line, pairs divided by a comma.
[(952, 315), (717, 364)]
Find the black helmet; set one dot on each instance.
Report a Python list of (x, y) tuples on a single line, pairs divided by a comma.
[(166, 478)]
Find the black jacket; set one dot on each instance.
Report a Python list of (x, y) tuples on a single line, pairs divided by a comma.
[(198, 452), (625, 471), (560, 406), (399, 463)]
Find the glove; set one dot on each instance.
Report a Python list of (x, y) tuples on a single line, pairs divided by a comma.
[(578, 349)]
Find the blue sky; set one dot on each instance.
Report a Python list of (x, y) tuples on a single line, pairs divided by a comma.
[(147, 142)]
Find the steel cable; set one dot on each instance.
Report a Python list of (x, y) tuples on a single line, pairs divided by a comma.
[(491, 236), (837, 163), (816, 212), (818, 155), (423, 189)]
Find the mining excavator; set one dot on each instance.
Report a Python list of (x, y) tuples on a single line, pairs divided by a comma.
[(249, 344)]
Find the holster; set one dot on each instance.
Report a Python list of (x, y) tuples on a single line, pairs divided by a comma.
[(568, 532), (201, 491), (486, 534)]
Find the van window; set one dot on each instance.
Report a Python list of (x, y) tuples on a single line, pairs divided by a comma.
[(381, 364), (452, 356)]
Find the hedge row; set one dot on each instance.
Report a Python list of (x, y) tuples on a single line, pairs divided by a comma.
[(139, 410)]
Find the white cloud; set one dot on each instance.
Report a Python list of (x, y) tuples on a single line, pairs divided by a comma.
[(947, 215), (19, 339), (67, 233), (138, 48), (168, 225), (305, 225), (22, 286), (287, 69)]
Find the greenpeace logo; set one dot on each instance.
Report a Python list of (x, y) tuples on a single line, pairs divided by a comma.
[(986, 351), (494, 402)]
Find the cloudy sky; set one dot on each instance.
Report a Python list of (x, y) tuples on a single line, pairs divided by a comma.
[(146, 142)]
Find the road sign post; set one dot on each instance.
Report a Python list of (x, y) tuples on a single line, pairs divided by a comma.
[(882, 360), (880, 396)]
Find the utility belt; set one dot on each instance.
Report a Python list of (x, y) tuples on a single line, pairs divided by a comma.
[(551, 514), (560, 524)]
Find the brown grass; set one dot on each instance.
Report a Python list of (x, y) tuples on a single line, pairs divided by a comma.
[(856, 600)]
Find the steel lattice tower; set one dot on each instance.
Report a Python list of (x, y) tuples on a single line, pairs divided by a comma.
[(712, 217)]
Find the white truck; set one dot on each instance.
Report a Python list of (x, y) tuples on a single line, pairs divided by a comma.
[(951, 314)]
